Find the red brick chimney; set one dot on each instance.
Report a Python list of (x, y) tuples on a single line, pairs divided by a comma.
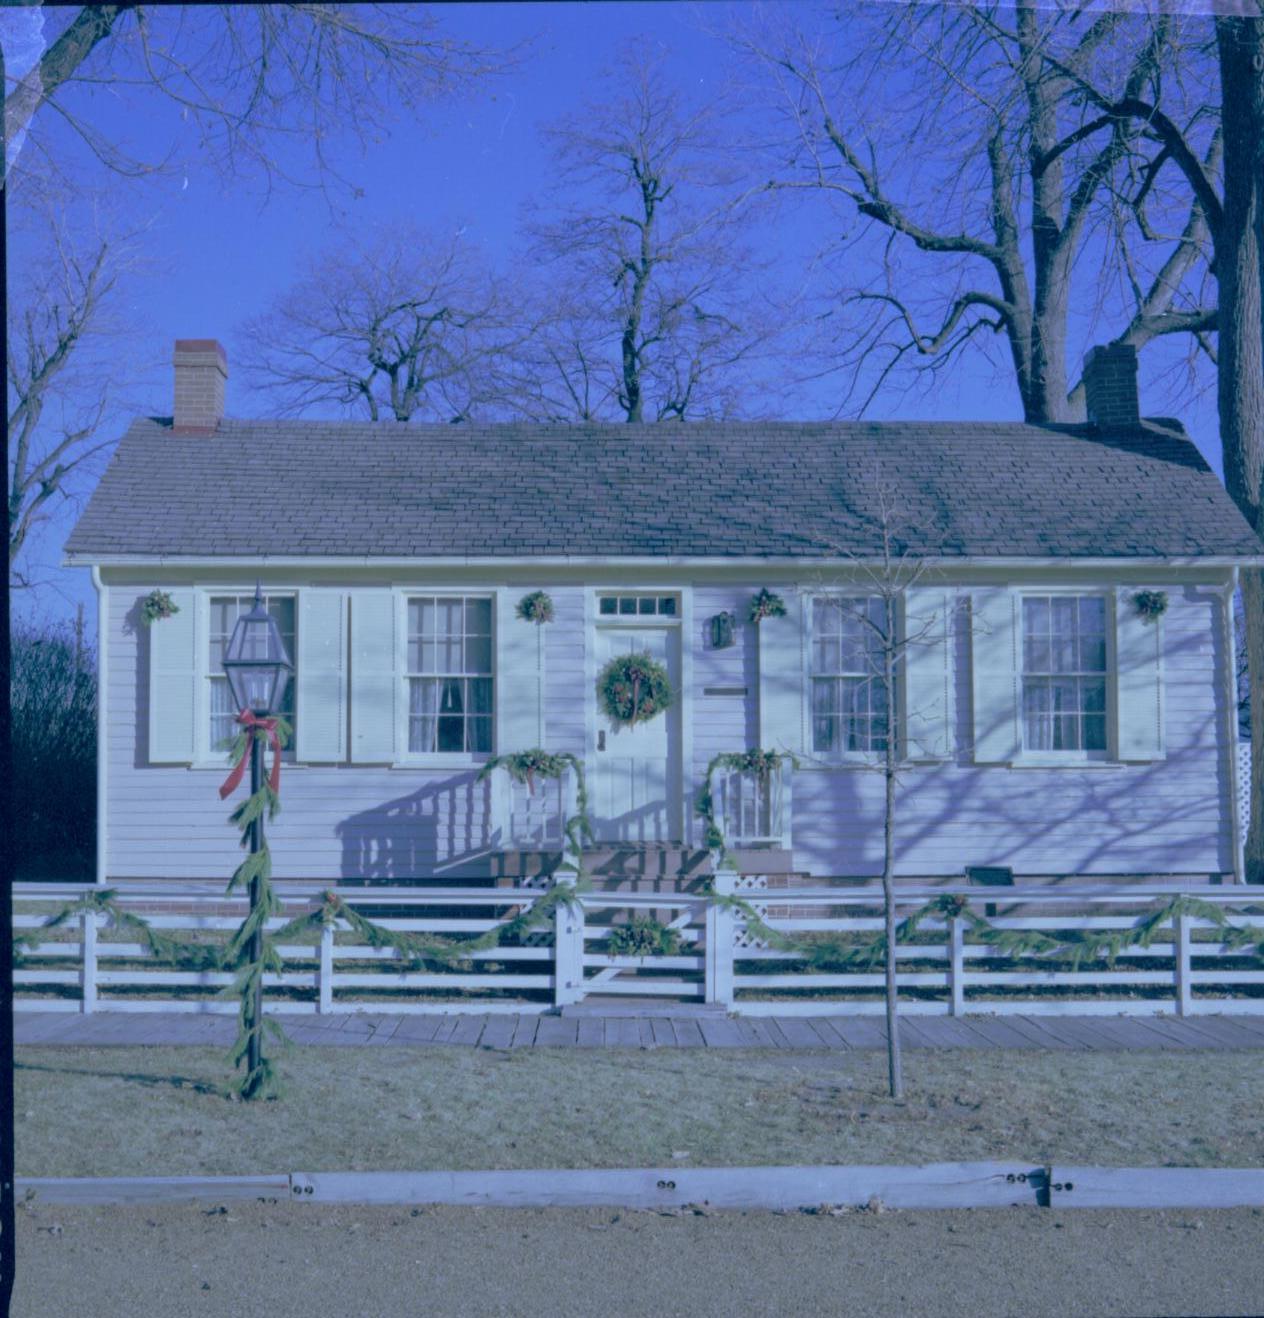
[(201, 370), (1110, 387)]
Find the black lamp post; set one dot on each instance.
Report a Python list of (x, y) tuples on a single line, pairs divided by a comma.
[(257, 668)]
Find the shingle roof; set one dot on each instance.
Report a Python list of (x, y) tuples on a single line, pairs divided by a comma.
[(698, 489)]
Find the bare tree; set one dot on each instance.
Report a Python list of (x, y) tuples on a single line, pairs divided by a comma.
[(1231, 203), (407, 329), (884, 633), (660, 319), (61, 319), (246, 76), (969, 174)]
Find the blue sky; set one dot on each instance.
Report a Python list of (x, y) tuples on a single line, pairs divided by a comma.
[(219, 252)]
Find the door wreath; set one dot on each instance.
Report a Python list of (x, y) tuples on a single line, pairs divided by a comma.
[(633, 688)]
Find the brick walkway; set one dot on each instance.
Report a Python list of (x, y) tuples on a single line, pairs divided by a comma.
[(841, 1033)]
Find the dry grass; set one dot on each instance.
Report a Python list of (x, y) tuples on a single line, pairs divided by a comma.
[(165, 1111)]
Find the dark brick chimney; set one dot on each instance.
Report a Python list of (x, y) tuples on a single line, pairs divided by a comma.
[(1110, 386), (201, 370)]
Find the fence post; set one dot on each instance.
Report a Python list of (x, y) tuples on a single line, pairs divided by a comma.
[(568, 953), (956, 966), (1181, 966), (719, 944), (325, 978), (88, 966)]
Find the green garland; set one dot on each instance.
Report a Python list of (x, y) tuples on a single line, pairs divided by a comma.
[(525, 766), (633, 688), (424, 950), (1077, 946), (260, 1081), (755, 761)]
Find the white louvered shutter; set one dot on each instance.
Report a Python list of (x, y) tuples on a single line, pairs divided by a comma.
[(1139, 682), (926, 654), (995, 645), (173, 665), (375, 676), (519, 680), (321, 676), (782, 643)]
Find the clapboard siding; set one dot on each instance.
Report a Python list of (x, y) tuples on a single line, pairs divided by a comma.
[(368, 821), (1168, 816)]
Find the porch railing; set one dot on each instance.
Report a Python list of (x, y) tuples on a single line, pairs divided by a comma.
[(1190, 968), (754, 810)]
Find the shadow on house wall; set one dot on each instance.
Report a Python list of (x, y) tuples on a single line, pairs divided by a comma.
[(439, 832)]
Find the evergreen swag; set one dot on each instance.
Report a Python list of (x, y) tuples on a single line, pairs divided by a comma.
[(536, 607), (525, 766), (644, 936), (1150, 604), (766, 605), (755, 761), (156, 606), (248, 971), (1076, 946), (633, 688)]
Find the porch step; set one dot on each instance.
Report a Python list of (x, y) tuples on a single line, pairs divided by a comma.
[(611, 866), (642, 1008)]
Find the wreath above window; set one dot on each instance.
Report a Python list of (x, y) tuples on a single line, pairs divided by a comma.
[(156, 606), (1150, 604), (633, 688), (536, 607), (766, 605)]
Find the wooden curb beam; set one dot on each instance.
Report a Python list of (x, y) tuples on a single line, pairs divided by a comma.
[(935, 1185)]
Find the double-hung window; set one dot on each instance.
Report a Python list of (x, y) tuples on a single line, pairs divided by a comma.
[(1064, 673), (849, 700), (225, 610), (450, 681)]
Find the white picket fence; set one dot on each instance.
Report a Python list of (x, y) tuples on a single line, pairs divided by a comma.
[(86, 966)]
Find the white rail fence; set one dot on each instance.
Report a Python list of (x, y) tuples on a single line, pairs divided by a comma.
[(86, 965)]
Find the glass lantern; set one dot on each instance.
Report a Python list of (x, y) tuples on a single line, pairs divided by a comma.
[(255, 661)]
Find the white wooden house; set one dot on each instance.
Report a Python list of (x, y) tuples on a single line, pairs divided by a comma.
[(1044, 725)]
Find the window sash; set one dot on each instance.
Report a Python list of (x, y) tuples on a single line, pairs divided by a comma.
[(1065, 672), (848, 694), (449, 674)]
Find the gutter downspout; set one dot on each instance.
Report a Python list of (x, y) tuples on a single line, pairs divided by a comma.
[(1227, 595), (102, 742)]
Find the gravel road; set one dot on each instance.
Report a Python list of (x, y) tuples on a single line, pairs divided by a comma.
[(297, 1260)]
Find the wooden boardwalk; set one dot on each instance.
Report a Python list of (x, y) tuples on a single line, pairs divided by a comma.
[(837, 1033)]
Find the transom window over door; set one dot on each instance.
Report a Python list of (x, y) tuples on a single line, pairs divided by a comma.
[(225, 610), (1064, 673), (849, 703), (450, 693)]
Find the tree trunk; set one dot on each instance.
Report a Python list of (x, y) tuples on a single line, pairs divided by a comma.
[(1240, 392), (895, 1065)]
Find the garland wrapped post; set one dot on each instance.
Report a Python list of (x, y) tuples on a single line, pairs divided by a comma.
[(525, 767), (761, 763), (251, 952)]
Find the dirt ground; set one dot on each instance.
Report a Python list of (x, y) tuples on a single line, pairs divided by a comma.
[(480, 1109), (307, 1261)]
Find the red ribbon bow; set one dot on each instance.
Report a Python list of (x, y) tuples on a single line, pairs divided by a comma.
[(250, 722)]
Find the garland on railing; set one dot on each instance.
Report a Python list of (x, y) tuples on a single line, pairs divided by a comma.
[(1076, 946), (754, 761), (525, 766), (104, 901), (423, 949)]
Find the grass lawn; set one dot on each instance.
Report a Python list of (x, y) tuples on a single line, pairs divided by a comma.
[(165, 1111)]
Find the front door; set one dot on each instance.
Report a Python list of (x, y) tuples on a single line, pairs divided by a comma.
[(635, 794)]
